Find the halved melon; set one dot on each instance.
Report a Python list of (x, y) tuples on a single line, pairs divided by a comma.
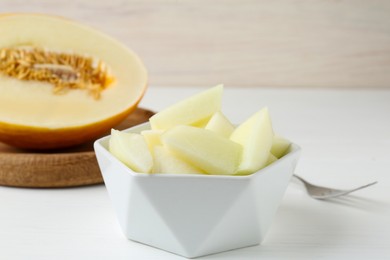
[(62, 83)]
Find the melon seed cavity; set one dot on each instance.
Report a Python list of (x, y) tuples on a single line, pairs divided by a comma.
[(65, 71)]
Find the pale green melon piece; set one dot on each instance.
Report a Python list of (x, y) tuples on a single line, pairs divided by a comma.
[(271, 159), (279, 146), (204, 149), (256, 136), (152, 138), (191, 111), (220, 124), (132, 150), (202, 123), (166, 162)]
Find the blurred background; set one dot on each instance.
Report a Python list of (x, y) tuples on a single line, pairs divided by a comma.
[(248, 43)]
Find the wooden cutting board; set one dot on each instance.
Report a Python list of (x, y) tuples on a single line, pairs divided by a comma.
[(60, 168)]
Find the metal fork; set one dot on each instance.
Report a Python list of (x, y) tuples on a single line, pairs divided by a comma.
[(322, 193)]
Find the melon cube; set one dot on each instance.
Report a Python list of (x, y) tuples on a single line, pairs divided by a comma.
[(279, 146), (191, 111), (256, 136), (132, 150), (220, 124), (166, 162), (204, 149)]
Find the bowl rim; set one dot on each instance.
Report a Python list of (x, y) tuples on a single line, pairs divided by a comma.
[(99, 147)]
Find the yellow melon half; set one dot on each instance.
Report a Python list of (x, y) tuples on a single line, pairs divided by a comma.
[(92, 82)]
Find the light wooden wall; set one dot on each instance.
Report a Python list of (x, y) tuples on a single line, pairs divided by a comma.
[(309, 43)]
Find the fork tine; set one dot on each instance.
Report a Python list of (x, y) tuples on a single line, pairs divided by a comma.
[(322, 193), (359, 188), (339, 193)]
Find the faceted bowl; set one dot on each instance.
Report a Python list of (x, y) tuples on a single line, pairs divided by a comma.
[(194, 215)]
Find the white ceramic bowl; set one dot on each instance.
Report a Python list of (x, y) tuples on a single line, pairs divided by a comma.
[(194, 215)]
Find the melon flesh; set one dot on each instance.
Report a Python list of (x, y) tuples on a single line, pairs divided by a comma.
[(166, 162), (271, 159), (220, 124), (204, 149), (132, 150), (31, 116), (152, 138), (255, 135), (194, 110), (279, 146)]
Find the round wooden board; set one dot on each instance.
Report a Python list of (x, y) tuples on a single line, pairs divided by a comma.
[(60, 168)]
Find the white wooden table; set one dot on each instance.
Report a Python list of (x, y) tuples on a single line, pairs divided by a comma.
[(345, 136)]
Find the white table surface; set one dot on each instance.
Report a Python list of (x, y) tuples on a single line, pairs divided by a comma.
[(345, 136)]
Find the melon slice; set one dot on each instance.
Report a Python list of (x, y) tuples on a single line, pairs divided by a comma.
[(271, 159), (279, 146), (204, 149), (152, 138), (63, 83), (166, 162), (195, 110), (220, 124), (255, 135), (132, 150)]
